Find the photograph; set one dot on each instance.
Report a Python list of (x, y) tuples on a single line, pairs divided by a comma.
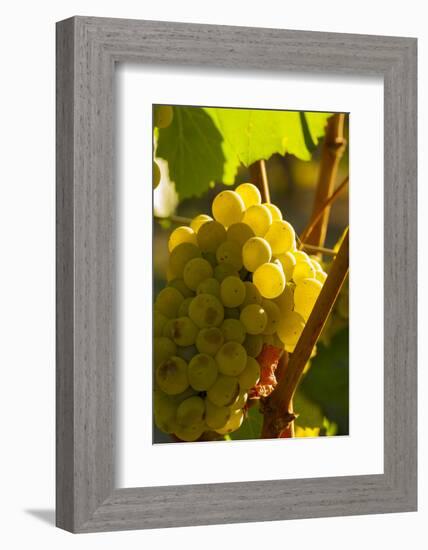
[(250, 274)]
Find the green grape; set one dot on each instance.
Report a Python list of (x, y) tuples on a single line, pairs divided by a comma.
[(163, 348), (270, 280), (183, 331), (171, 375), (303, 270), (233, 331), (210, 257), (164, 408), (156, 175), (179, 257), (249, 194), (195, 271), (273, 314), (166, 331), (239, 233), (202, 372), (191, 411), (321, 276), (216, 417), (163, 115), (254, 318), (182, 234), (222, 271), (242, 400), (231, 358), (187, 352), (168, 301), (183, 310), (290, 328), (259, 218), (234, 422), (199, 221), (232, 291), (315, 263), (228, 208), (288, 262), (305, 296), (252, 295), (256, 251), (189, 433), (250, 375), (181, 286), (300, 256), (274, 210), (230, 252), (285, 301), (206, 311), (209, 340), (210, 236), (159, 321), (209, 286), (281, 237), (224, 392), (231, 313), (253, 344)]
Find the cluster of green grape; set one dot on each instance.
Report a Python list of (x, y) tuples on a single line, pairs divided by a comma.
[(236, 282), (162, 118)]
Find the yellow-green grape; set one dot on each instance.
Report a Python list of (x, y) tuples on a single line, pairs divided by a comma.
[(209, 286), (256, 251), (250, 375), (171, 375), (303, 270), (259, 218), (199, 221), (191, 411), (239, 233), (216, 417), (224, 392), (210, 257), (231, 313), (290, 328), (230, 252), (249, 194), (288, 262), (315, 263), (274, 316), (281, 237), (195, 271), (168, 301), (183, 331), (209, 340), (270, 280), (254, 319), (206, 311), (163, 348), (221, 271), (170, 276), (182, 234), (228, 208), (321, 276), (166, 331), (233, 331), (252, 295), (164, 409), (156, 175), (202, 372), (300, 256), (159, 321), (187, 352), (285, 301), (274, 210), (253, 344), (241, 401), (234, 422), (163, 115), (231, 358), (232, 291), (181, 286), (179, 257), (183, 310), (189, 433), (210, 236), (305, 296)]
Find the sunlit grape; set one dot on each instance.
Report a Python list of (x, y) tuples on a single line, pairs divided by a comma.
[(224, 391), (281, 237), (198, 221), (256, 251), (210, 236), (250, 375), (228, 208), (249, 194), (182, 234), (259, 218), (254, 319), (270, 280)]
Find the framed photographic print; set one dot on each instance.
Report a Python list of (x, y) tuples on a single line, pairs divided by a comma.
[(236, 274)]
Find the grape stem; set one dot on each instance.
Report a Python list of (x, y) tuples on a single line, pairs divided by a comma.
[(278, 412), (259, 178), (322, 249)]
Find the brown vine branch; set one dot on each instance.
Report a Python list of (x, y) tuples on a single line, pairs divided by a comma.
[(320, 249), (278, 412), (332, 150), (259, 178)]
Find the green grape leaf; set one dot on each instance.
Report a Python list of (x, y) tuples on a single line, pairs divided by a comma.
[(253, 134), (251, 428), (195, 151)]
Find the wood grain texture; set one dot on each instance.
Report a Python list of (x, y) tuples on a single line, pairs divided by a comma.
[(87, 49)]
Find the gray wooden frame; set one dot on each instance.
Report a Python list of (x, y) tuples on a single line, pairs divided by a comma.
[(87, 50)]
